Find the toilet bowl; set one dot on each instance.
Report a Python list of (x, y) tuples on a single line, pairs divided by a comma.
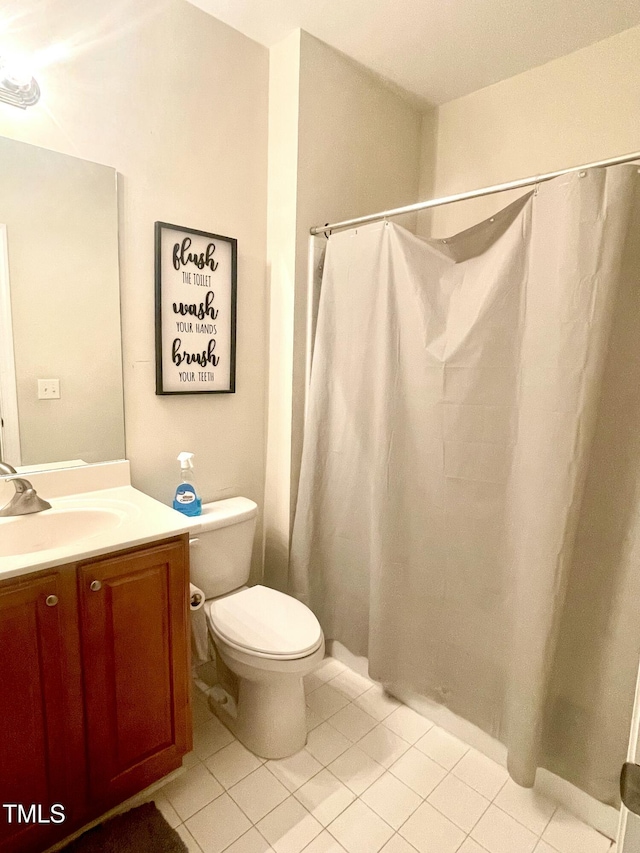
[(265, 641)]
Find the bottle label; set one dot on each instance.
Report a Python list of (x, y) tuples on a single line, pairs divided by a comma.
[(185, 495)]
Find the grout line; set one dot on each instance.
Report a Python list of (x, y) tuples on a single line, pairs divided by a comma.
[(192, 836), (539, 836), (504, 784)]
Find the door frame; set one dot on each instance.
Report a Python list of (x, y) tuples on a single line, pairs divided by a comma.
[(9, 425)]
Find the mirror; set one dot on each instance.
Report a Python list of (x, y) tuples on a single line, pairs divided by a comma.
[(61, 396)]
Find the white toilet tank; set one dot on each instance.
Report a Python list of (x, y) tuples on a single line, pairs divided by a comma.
[(220, 544)]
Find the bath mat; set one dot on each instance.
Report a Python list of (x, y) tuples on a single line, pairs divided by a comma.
[(141, 830)]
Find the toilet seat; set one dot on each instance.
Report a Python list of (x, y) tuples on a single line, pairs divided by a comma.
[(263, 622)]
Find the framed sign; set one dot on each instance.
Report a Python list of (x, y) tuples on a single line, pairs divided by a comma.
[(196, 284)]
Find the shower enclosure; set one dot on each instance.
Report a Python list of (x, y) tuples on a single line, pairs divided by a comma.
[(468, 511)]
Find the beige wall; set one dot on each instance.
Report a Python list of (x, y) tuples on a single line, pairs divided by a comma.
[(356, 150), (177, 102), (284, 94), (359, 152), (580, 108)]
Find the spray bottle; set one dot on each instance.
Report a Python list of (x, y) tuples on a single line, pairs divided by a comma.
[(187, 500)]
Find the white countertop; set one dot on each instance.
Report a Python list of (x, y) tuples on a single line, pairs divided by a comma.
[(133, 519)]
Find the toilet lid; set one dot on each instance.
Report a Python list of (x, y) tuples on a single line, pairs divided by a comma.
[(264, 620)]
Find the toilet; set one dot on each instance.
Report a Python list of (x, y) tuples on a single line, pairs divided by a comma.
[(265, 641)]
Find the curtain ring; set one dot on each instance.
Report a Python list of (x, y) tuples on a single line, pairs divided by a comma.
[(327, 235)]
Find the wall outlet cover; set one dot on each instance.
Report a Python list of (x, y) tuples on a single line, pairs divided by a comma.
[(48, 389)]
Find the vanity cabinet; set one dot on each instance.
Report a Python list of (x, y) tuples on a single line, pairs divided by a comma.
[(94, 687), (41, 742), (134, 652)]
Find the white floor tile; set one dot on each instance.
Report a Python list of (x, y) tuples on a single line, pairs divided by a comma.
[(350, 683), (210, 737), (470, 846), (325, 797), (356, 769), (289, 827), (497, 832), (391, 800), (313, 719), (232, 763), (397, 844), (326, 701), (324, 843), (192, 791), (295, 770), (359, 830), (250, 842), (190, 842), (218, 825), (526, 806), (481, 773), (258, 793), (460, 803), (407, 723), (444, 748), (326, 743), (376, 702), (383, 745), (373, 748), (431, 832), (569, 835), (167, 811), (418, 771), (352, 722), (190, 759)]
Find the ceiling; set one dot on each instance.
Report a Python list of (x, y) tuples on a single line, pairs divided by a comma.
[(436, 50)]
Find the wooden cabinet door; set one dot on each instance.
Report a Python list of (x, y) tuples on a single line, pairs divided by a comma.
[(41, 749), (133, 616)]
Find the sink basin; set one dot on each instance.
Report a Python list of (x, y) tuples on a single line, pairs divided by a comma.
[(56, 528), (83, 522)]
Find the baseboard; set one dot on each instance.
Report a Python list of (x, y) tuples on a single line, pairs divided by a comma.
[(594, 813)]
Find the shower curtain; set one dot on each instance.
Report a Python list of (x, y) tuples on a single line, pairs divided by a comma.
[(468, 512)]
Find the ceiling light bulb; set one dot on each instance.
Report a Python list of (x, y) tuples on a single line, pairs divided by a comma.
[(16, 73), (17, 84)]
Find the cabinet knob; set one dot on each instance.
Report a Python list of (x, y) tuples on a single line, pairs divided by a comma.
[(51, 600), (95, 586)]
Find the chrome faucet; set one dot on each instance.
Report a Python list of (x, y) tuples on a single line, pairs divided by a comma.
[(25, 501), (5, 468)]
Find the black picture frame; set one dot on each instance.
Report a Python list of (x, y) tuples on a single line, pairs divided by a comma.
[(187, 272)]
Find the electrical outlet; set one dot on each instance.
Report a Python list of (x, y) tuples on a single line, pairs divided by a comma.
[(48, 389)]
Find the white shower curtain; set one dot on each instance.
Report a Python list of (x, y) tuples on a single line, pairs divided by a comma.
[(469, 448)]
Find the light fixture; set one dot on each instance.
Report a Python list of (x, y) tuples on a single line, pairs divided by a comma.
[(18, 86)]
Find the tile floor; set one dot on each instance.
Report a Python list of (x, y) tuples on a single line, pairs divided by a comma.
[(374, 776)]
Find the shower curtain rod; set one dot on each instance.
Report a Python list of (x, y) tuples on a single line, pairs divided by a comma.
[(498, 188)]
